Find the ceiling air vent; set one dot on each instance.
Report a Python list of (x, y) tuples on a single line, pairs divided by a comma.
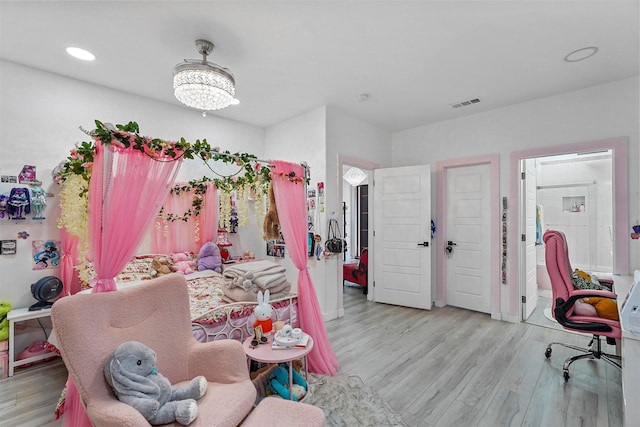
[(465, 103)]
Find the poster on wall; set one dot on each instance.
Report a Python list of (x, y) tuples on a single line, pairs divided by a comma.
[(321, 196), (45, 254), (8, 247), (276, 247)]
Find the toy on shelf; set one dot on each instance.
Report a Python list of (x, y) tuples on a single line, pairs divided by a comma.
[(279, 383), (223, 243), (39, 201), (19, 203), (4, 200)]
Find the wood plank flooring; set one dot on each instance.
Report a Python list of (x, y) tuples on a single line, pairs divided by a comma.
[(439, 368)]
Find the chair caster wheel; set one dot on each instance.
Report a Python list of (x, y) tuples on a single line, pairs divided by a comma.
[(547, 353), (566, 376)]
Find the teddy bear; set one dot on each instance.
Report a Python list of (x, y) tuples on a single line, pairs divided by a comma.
[(209, 258), (161, 265), (271, 226), (132, 374), (181, 263), (5, 308), (279, 383)]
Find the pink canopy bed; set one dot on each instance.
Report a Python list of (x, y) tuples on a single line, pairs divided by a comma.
[(118, 216)]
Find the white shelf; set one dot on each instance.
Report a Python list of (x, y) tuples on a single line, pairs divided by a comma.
[(21, 315)]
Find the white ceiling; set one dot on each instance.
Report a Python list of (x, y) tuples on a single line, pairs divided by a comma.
[(414, 58)]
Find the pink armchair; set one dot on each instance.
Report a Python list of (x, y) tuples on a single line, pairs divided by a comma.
[(564, 304), (358, 272), (89, 327)]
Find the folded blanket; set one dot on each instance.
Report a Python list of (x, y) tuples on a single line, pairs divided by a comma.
[(240, 295), (260, 273)]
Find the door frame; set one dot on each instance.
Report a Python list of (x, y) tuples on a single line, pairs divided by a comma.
[(369, 166), (493, 160), (620, 150)]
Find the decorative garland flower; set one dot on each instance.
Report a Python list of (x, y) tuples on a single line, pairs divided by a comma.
[(252, 176)]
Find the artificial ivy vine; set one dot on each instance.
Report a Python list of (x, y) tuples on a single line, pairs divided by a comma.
[(253, 175)]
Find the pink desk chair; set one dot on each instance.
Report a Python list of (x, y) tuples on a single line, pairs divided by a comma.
[(564, 306)]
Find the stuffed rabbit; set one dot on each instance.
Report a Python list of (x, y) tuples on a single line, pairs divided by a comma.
[(131, 372), (263, 313)]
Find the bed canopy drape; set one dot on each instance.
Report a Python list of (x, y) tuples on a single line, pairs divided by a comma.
[(188, 232), (118, 217), (291, 203)]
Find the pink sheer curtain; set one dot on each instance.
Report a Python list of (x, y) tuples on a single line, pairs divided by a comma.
[(291, 204), (126, 191), (189, 235), (68, 274)]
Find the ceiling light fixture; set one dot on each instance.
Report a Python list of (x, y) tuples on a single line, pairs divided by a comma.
[(581, 54), (355, 176), (79, 53), (201, 84)]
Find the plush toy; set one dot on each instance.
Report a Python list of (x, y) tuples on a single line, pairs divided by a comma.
[(209, 257), (263, 313), (161, 265), (606, 308), (279, 383), (271, 226), (181, 263), (5, 308), (132, 374)]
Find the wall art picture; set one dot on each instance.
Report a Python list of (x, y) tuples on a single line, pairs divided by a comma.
[(8, 247), (276, 248), (46, 254)]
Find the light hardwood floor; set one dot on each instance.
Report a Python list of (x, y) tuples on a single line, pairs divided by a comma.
[(444, 367)]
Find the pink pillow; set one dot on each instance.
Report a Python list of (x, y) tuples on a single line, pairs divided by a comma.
[(583, 309)]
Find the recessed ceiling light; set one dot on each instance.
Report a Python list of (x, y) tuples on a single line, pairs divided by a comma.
[(235, 101), (581, 54), (76, 52)]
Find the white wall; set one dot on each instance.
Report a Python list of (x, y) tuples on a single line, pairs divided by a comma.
[(348, 138), (301, 139), (39, 117), (599, 112)]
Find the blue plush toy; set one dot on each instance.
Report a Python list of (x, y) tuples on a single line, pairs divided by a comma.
[(279, 383)]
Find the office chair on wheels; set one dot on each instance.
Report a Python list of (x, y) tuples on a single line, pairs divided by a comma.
[(569, 313)]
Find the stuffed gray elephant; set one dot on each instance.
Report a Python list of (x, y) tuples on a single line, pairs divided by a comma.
[(131, 372)]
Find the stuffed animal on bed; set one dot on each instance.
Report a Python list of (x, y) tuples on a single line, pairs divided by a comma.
[(161, 265), (279, 383), (209, 257), (271, 226), (181, 263), (132, 374)]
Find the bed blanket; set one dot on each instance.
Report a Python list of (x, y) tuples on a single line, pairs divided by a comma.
[(266, 275), (240, 295)]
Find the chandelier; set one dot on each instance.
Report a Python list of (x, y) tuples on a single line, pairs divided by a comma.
[(355, 176), (201, 84)]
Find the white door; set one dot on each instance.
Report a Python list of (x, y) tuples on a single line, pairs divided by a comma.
[(530, 278), (468, 264), (402, 236)]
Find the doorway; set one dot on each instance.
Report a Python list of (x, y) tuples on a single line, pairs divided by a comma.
[(619, 223), (572, 193)]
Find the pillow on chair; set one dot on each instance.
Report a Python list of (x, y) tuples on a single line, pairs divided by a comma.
[(583, 309), (582, 280)]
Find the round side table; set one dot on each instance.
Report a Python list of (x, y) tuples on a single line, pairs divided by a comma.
[(265, 354)]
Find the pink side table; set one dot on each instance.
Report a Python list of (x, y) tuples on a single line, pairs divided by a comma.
[(265, 354)]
